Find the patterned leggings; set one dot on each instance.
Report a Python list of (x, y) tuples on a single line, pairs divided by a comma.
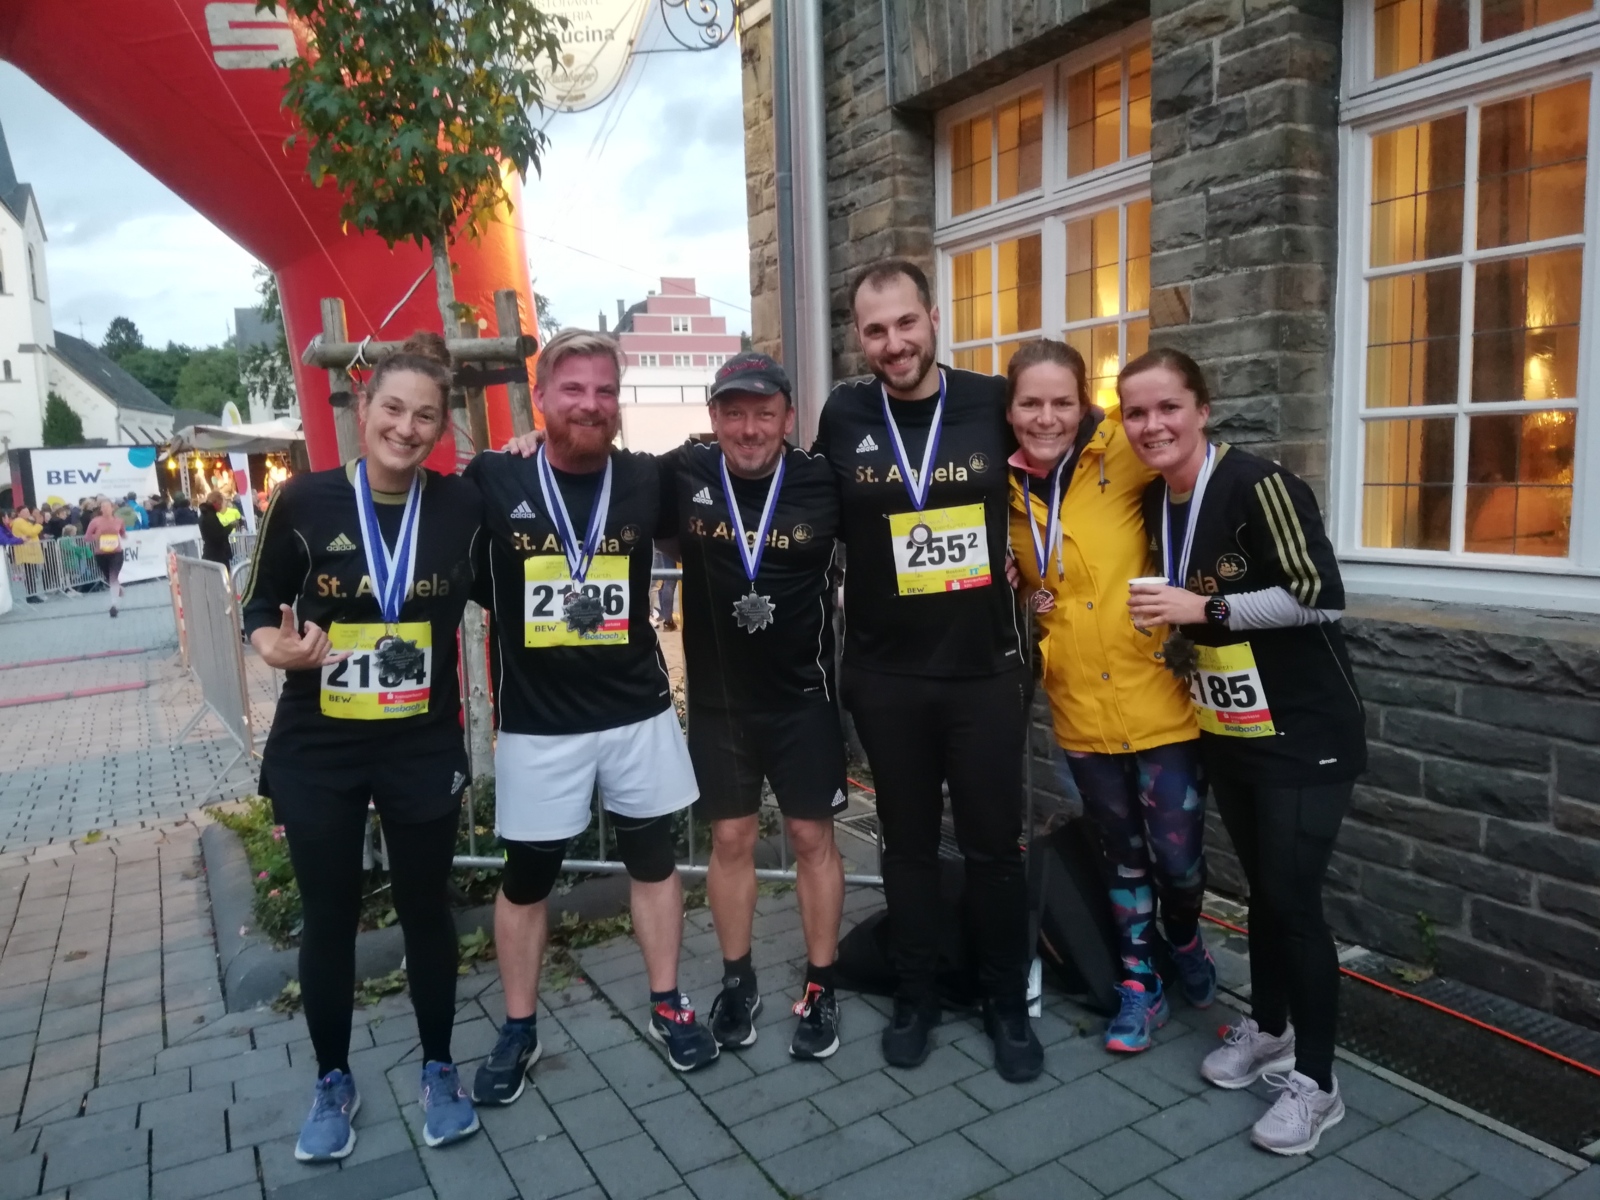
[(1150, 810)]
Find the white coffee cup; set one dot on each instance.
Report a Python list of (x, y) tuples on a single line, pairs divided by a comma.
[(1148, 581)]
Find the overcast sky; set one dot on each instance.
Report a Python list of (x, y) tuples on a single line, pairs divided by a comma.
[(651, 182)]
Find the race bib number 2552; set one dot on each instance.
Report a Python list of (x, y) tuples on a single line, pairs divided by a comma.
[(546, 588), (940, 550)]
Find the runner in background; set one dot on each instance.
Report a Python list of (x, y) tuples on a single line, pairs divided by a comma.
[(933, 670), (1125, 721), (356, 592), (104, 535), (1254, 589)]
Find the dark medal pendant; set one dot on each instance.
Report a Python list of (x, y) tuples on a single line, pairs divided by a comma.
[(398, 659), (753, 612), (584, 612), (1178, 653), (1042, 601)]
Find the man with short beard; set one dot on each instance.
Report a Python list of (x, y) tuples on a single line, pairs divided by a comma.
[(933, 673), (583, 695)]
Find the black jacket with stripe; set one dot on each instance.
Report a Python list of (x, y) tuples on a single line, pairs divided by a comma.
[(1259, 527)]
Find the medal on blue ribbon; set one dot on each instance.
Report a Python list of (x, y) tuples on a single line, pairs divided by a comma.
[(1044, 599), (1178, 651), (753, 611), (391, 572), (584, 609), (917, 483)]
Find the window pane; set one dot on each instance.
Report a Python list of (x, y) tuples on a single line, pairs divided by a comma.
[(1532, 155), (1413, 339), (1417, 175), (1502, 18), (1406, 495), (1108, 112), (1407, 33), (1525, 336), (1020, 128), (971, 149), (1006, 350), (1519, 484), (1101, 128), (1080, 122), (1020, 280), (979, 359), (1138, 337), (1139, 100), (969, 295), (1139, 256)]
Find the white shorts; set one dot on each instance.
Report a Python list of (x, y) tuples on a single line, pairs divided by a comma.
[(544, 784)]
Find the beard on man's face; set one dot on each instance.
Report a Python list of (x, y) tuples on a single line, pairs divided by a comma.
[(906, 371)]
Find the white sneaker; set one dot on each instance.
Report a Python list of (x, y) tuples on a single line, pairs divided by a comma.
[(1297, 1118), (1246, 1054)]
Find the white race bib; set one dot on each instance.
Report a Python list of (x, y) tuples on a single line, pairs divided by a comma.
[(547, 582), (940, 550)]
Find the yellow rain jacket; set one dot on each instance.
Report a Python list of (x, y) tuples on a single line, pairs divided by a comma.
[(1110, 692)]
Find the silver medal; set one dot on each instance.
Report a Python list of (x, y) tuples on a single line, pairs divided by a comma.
[(584, 612), (753, 612)]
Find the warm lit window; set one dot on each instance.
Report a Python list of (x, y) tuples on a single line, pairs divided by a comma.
[(1473, 287), (680, 324), (1108, 110), (1409, 33), (1108, 292), (998, 154), (994, 297)]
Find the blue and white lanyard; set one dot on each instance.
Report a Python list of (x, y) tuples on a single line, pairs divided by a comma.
[(750, 555), (1176, 578), (1052, 528), (579, 555), (389, 584), (917, 484)]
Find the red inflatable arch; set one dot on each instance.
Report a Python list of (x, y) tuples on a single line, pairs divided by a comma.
[(187, 89)]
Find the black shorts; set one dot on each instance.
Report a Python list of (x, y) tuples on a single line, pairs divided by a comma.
[(799, 751), (108, 561), (406, 788)]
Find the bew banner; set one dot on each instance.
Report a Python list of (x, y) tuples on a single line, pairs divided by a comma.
[(67, 476)]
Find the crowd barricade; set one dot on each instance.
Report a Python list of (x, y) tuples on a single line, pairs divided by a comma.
[(691, 868), (212, 636), (51, 567)]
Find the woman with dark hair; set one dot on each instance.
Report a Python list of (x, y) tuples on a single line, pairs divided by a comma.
[(183, 512), (1124, 720), (214, 544), (356, 593), (1253, 586)]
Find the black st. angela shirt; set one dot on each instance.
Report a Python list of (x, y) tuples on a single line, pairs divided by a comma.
[(789, 662), (1259, 527), (961, 625), (309, 555), (566, 682)]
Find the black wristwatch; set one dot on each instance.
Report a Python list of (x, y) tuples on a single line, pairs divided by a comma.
[(1217, 610)]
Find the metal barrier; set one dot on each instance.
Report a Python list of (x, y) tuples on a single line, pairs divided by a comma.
[(57, 566), (214, 641), (607, 866)]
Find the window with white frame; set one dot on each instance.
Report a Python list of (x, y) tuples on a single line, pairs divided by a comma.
[(1467, 313), (683, 360), (1044, 213), (680, 324), (716, 360), (649, 360)]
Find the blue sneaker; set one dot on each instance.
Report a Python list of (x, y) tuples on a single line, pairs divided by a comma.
[(1143, 1012), (689, 1044), (1197, 972), (448, 1115), (327, 1134)]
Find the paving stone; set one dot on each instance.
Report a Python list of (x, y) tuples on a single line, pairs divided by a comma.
[(637, 1073), (1117, 1160), (994, 1093), (205, 1177), (380, 1139), (381, 1179), (564, 1076), (1487, 1153), (130, 1058), (806, 1168), (1330, 1179), (776, 1131), (688, 1135), (944, 1169), (131, 1022), (1353, 1128), (1583, 1186), (69, 1022), (937, 1112), (757, 1095), (130, 1184), (547, 1169), (511, 1125), (1379, 1099), (52, 1092), (861, 1097), (91, 1157), (468, 1170), (21, 1177), (733, 1179), (632, 1168), (17, 1145), (240, 1066), (1048, 1126), (136, 1091), (596, 1119), (1189, 1127), (946, 1065), (1049, 1182), (1227, 1171), (253, 1121), (1406, 1164)]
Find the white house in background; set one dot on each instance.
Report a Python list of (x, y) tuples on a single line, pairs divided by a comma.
[(35, 360)]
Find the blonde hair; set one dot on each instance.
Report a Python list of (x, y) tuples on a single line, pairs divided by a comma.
[(575, 343)]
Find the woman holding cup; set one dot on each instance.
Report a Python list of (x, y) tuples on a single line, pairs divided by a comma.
[(1125, 721), (1254, 591)]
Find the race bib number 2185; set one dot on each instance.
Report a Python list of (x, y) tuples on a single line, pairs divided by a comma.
[(1227, 692)]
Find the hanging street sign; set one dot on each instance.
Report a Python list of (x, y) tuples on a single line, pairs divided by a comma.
[(596, 48)]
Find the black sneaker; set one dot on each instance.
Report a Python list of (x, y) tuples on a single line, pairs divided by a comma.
[(1018, 1056), (501, 1077), (689, 1044), (817, 1035), (908, 1040), (733, 1015)]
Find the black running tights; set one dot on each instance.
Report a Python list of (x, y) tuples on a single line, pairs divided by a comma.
[(327, 863), (1284, 837)]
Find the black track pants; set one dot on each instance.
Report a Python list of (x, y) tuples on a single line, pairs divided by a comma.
[(920, 733), (1284, 837), (327, 863)]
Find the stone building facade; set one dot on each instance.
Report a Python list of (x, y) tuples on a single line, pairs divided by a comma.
[(1368, 222)]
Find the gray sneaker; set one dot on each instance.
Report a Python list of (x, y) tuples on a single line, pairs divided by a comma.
[(1246, 1054), (1296, 1121)]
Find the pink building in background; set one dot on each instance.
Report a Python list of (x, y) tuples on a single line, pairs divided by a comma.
[(674, 328)]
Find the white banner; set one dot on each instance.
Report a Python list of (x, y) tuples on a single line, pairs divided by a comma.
[(67, 476), (144, 551), (596, 48)]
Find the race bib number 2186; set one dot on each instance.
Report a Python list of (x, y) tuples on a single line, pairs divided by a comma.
[(546, 588)]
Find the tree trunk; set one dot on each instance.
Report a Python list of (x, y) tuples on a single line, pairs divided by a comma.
[(474, 622)]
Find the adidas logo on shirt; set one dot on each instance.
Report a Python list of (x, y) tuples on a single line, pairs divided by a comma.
[(867, 445), (456, 782), (522, 512), (838, 797), (703, 496), (341, 545)]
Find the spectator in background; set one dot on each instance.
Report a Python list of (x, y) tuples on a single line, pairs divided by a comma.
[(213, 532), (139, 512), (54, 521), (29, 555), (183, 513), (666, 594), (160, 516)]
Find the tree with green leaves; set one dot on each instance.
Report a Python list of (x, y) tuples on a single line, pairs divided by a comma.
[(209, 379), (413, 109), (549, 326), (266, 371), (122, 338), (62, 426), (158, 370)]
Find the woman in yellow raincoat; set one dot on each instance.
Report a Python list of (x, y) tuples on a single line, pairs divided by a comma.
[(1126, 723)]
